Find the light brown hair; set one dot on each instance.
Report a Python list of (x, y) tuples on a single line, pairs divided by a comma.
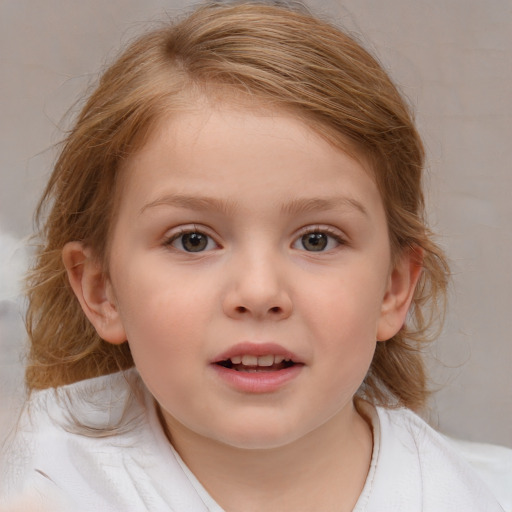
[(279, 56)]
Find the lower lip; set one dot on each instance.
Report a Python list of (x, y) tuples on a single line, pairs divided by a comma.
[(258, 382)]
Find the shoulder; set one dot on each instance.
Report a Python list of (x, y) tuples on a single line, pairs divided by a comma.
[(38, 494), (94, 445), (418, 469), (57, 428), (492, 463)]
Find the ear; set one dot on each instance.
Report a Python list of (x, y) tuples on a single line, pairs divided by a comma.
[(94, 291), (399, 293)]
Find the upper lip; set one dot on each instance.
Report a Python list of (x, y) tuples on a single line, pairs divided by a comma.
[(256, 349)]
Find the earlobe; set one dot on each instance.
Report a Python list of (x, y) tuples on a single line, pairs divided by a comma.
[(94, 291), (399, 293)]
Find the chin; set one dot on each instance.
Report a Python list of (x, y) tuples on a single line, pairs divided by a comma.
[(262, 437)]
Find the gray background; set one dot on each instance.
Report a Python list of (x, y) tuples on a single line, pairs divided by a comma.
[(452, 59)]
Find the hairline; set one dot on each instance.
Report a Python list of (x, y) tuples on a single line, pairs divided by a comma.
[(211, 93)]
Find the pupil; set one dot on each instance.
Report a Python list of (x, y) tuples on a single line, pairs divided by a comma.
[(194, 242), (314, 241)]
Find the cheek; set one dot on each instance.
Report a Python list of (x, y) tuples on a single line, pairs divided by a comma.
[(159, 319), (164, 337), (344, 323), (159, 311), (348, 307)]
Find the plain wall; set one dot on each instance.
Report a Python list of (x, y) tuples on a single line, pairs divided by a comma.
[(451, 58)]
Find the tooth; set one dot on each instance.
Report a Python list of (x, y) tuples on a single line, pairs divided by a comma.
[(278, 359), (236, 359), (250, 360), (266, 360)]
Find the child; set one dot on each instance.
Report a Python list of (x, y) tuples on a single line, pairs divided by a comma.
[(235, 236)]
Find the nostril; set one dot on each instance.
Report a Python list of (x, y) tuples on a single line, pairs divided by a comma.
[(275, 309), (241, 309)]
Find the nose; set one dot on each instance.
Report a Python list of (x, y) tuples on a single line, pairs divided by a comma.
[(259, 289)]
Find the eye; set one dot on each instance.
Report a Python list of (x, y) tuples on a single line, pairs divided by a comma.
[(318, 241), (192, 241)]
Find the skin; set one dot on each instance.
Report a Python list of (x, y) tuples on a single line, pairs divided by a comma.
[(266, 182)]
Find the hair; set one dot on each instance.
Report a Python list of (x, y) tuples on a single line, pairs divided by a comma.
[(270, 55)]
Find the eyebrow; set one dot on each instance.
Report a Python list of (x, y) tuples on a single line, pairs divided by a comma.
[(307, 205), (297, 206), (203, 203)]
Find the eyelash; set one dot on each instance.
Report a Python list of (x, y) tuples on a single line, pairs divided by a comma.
[(320, 230), (169, 242), (331, 233)]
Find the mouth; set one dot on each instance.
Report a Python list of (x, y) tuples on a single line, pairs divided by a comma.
[(257, 368), (251, 363)]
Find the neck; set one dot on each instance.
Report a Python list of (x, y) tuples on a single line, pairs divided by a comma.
[(324, 470)]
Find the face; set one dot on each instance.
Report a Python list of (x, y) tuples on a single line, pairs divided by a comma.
[(250, 273)]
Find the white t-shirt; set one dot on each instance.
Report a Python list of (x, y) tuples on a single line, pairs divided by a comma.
[(123, 462)]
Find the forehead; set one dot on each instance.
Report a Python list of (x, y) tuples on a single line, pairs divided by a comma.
[(232, 150)]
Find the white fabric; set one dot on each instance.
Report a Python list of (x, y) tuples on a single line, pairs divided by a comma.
[(493, 464), (51, 466), (414, 468)]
